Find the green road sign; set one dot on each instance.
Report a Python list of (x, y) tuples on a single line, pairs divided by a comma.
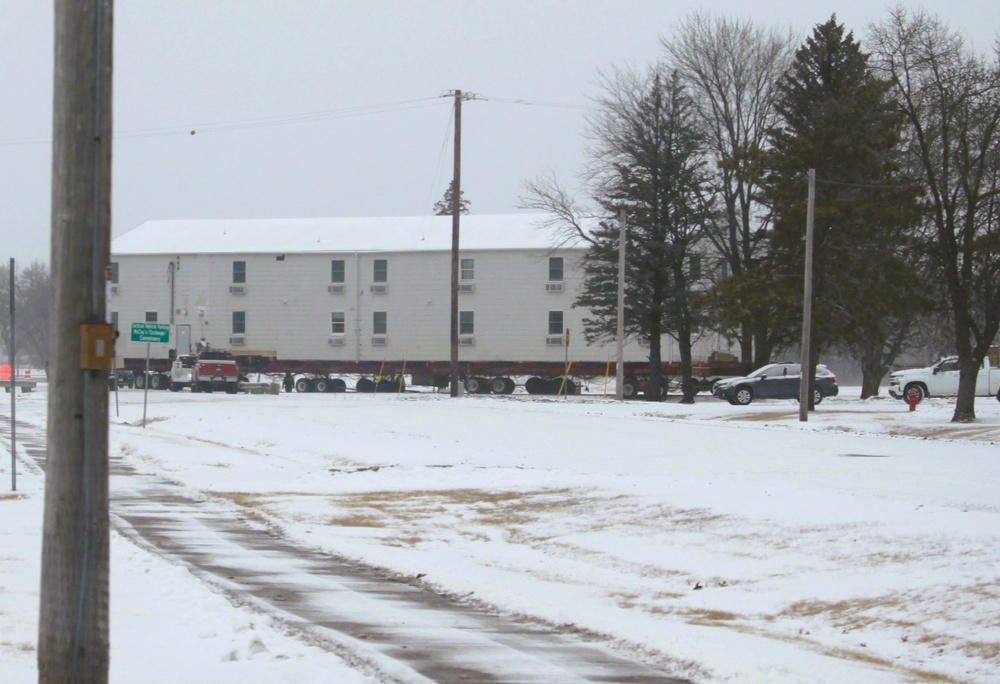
[(150, 332)]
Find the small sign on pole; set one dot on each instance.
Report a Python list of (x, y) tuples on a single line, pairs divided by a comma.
[(150, 332)]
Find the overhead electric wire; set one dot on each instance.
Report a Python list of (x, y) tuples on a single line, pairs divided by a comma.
[(258, 122), (289, 119)]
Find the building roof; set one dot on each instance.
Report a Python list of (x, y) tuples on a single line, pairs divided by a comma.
[(372, 234)]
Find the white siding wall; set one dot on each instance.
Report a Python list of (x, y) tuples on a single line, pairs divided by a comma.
[(288, 306)]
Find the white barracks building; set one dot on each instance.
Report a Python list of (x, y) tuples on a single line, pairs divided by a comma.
[(361, 291)]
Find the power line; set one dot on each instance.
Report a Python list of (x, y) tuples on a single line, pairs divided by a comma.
[(291, 119), (259, 122)]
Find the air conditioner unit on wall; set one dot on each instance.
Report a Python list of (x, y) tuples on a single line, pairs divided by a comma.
[(553, 287), (335, 340), (238, 340), (554, 340), (466, 287), (335, 288), (379, 340), (114, 289), (237, 289), (466, 340), (379, 288)]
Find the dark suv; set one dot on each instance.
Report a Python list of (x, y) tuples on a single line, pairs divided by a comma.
[(124, 378), (775, 381)]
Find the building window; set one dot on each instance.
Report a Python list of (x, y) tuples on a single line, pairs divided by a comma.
[(467, 270), (555, 269), (380, 323), (694, 267), (239, 271), (555, 322), (337, 271), (114, 272), (380, 271), (114, 321), (337, 323), (466, 323), (151, 317), (239, 322)]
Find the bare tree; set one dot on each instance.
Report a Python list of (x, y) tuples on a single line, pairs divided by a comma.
[(731, 69), (951, 100), (32, 293)]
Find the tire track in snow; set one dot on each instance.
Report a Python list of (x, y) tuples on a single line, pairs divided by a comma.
[(381, 624)]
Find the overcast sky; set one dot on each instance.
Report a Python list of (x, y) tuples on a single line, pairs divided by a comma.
[(310, 108)]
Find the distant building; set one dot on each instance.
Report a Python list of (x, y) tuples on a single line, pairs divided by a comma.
[(362, 289)]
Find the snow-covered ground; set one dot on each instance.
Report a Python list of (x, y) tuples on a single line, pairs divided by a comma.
[(727, 544)]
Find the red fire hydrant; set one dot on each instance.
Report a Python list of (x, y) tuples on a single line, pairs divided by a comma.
[(913, 398)]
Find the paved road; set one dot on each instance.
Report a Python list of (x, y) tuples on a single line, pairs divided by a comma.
[(397, 630)]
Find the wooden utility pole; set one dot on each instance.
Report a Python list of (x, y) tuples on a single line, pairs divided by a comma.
[(620, 323), (73, 630), (806, 379), (456, 212)]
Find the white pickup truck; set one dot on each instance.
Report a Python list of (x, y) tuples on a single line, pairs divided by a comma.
[(941, 379)]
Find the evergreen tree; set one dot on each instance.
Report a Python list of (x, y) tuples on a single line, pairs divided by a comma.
[(649, 160), (444, 206), (837, 118)]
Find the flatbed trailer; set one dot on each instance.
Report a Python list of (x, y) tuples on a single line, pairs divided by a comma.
[(480, 377)]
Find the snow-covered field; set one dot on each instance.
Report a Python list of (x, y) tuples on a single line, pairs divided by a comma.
[(726, 544)]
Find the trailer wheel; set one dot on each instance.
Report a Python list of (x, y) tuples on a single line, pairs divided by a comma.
[(477, 385), (502, 385), (337, 385), (365, 385), (559, 388), (630, 388), (322, 385), (664, 382), (386, 385), (140, 381), (303, 385), (535, 386)]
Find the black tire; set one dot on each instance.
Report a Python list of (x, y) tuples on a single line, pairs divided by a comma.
[(498, 385), (337, 385), (742, 395), (390, 385), (509, 386), (322, 385), (535, 386), (474, 385), (140, 381), (365, 385), (304, 385), (914, 387), (630, 388), (568, 389), (648, 392), (817, 396)]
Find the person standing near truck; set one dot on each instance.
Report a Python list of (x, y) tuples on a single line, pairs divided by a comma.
[(288, 382)]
